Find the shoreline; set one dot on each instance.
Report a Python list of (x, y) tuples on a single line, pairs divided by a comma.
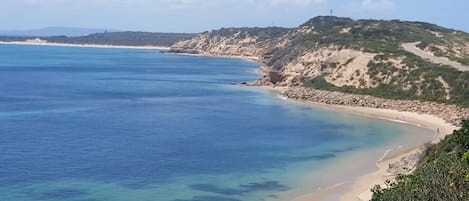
[(360, 188), (246, 58), (45, 43)]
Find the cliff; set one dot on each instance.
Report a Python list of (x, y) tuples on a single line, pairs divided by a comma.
[(250, 42), (368, 57)]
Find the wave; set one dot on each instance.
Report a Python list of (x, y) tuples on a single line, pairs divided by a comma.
[(401, 121), (386, 154), (39, 112)]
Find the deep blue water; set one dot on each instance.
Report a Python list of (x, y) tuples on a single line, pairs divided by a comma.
[(86, 124)]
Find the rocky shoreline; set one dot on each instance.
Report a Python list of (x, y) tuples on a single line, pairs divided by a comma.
[(450, 113), (406, 164)]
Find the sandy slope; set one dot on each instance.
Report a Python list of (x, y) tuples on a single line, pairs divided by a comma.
[(412, 47)]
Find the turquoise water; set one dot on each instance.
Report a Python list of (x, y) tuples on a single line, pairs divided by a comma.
[(85, 124)]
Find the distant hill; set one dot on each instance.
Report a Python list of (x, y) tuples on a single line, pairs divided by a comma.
[(112, 38), (53, 31), (385, 58), (124, 38)]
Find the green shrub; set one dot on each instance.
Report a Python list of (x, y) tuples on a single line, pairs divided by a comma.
[(441, 176)]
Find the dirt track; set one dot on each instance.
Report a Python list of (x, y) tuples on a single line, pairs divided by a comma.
[(412, 47)]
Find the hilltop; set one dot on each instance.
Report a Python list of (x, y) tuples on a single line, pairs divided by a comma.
[(368, 57)]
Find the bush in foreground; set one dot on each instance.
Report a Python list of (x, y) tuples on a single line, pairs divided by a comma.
[(443, 175)]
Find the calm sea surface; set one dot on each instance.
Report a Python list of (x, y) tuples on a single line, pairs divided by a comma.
[(85, 124)]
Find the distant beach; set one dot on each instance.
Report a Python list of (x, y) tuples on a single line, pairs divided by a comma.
[(46, 43)]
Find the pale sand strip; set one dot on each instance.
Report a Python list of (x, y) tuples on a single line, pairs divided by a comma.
[(45, 43), (412, 47), (361, 187), (246, 58)]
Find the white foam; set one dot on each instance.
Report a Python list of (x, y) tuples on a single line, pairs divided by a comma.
[(39, 112), (401, 121), (282, 97), (386, 153)]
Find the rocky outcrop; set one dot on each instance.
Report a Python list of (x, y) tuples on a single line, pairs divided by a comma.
[(219, 46), (247, 42), (450, 113), (405, 165), (340, 67)]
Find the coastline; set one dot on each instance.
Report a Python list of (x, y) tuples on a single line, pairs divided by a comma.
[(361, 186), (246, 58), (360, 189), (45, 43)]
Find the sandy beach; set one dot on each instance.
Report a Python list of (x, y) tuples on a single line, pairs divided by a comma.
[(360, 190), (45, 43)]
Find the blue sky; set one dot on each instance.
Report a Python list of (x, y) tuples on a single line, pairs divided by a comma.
[(202, 15)]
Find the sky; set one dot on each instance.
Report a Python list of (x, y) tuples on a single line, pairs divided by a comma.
[(203, 15)]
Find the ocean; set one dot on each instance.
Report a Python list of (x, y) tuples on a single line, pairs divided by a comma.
[(93, 124)]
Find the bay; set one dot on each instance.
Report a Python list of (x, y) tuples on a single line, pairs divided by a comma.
[(91, 124)]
